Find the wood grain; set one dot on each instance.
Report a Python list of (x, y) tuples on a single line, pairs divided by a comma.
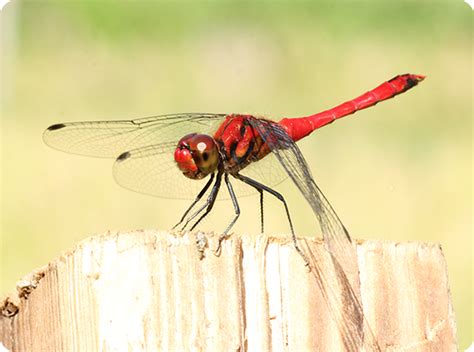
[(152, 291)]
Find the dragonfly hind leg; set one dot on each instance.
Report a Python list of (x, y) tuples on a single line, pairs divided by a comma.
[(262, 187)]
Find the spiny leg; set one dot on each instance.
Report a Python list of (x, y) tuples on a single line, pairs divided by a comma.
[(198, 198), (259, 190), (257, 185), (236, 208), (197, 212), (262, 224), (209, 202), (206, 204), (212, 194)]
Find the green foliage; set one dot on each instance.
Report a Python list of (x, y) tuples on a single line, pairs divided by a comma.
[(129, 20)]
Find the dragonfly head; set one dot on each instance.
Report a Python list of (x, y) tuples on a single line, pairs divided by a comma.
[(197, 155)]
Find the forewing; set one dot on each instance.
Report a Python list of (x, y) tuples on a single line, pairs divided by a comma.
[(149, 167), (350, 318), (108, 139)]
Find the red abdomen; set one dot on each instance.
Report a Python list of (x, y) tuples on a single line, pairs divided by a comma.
[(298, 128)]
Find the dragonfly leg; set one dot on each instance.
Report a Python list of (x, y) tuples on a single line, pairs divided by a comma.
[(237, 212), (209, 202), (258, 185), (196, 213), (262, 224), (193, 215), (259, 190), (198, 198)]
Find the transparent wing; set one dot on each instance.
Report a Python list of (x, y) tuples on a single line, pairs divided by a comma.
[(267, 171), (108, 139), (342, 251), (149, 166), (152, 170)]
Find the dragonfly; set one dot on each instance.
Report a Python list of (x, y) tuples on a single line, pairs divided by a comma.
[(190, 155)]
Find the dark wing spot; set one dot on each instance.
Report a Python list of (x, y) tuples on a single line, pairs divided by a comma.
[(123, 156), (56, 126)]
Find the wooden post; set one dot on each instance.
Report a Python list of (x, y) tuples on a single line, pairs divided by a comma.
[(152, 291)]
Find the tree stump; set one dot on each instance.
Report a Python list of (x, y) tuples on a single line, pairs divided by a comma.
[(157, 291)]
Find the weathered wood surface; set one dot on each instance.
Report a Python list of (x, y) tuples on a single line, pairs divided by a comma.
[(152, 291)]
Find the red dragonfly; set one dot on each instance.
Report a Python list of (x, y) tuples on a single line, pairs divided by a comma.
[(207, 148)]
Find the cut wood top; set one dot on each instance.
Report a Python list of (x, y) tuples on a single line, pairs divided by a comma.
[(151, 290)]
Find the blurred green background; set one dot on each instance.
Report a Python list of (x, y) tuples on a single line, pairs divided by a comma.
[(400, 171)]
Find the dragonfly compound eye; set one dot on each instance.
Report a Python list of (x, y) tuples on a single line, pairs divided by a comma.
[(197, 155)]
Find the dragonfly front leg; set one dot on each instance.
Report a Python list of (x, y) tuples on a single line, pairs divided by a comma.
[(198, 198), (209, 202)]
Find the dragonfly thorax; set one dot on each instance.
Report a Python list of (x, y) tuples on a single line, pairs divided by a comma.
[(197, 155)]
